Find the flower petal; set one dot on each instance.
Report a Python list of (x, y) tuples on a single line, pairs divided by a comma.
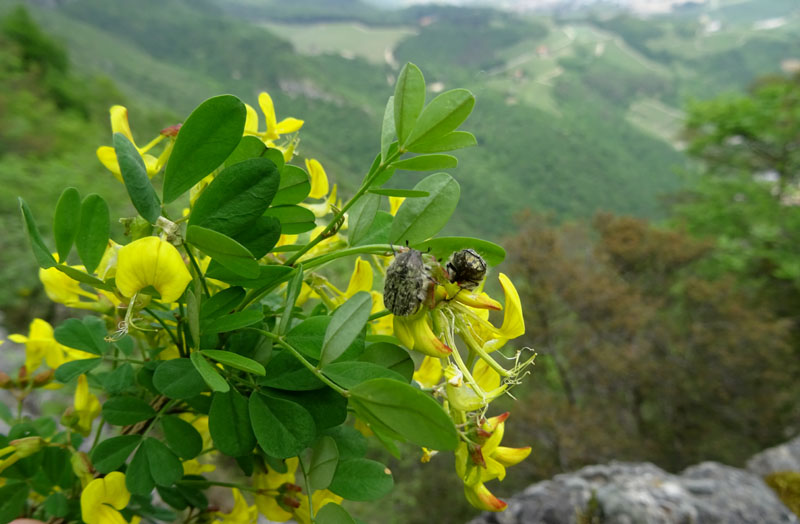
[(268, 108), (429, 373), (513, 323), (151, 261), (360, 280), (319, 179), (119, 121), (251, 122), (289, 125), (480, 497), (108, 157), (511, 456), (395, 203)]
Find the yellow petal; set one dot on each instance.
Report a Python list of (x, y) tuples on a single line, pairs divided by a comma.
[(429, 373), (480, 497), (119, 121), (151, 164), (288, 125), (360, 280), (151, 261), (477, 301), (268, 108), (108, 157), (107, 515), (319, 179), (98, 498), (251, 122), (395, 203), (193, 467), (487, 378), (60, 288), (513, 323), (511, 456)]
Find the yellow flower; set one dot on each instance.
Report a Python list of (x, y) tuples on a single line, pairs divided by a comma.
[(325, 207), (429, 373), (319, 498), (383, 325), (274, 128), (102, 499), (86, 406), (40, 345), (193, 467), (275, 498), (241, 513), (319, 179), (119, 124), (415, 333), (395, 203), (360, 279), (151, 261), (480, 497)]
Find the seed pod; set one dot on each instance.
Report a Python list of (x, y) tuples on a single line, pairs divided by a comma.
[(466, 268), (406, 283)]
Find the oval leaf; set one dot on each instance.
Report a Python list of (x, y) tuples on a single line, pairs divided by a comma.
[(294, 187), (361, 479), (178, 379), (92, 237), (40, 251), (134, 175), (205, 140), (427, 163), (405, 193), (409, 99), (224, 250), (405, 410), (235, 361), (420, 218), (66, 221), (323, 463), (350, 374), (345, 326), (333, 514), (387, 128), (112, 453), (282, 428), (444, 114), (233, 321), (124, 411), (361, 217), (137, 477), (237, 196), (70, 370), (390, 356), (87, 334), (181, 437), (294, 219), (165, 467), (209, 373), (448, 142), (229, 424)]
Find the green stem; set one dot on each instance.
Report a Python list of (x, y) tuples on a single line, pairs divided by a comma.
[(379, 314), (363, 189), (279, 340), (308, 490), (196, 267), (99, 431)]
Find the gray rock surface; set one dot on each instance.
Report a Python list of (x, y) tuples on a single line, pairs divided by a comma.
[(642, 493), (785, 457)]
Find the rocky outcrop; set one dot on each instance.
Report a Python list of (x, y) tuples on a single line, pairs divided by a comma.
[(634, 493), (785, 457)]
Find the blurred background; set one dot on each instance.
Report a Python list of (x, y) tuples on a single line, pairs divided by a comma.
[(639, 160)]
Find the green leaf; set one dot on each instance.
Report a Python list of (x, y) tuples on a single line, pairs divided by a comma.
[(284, 371), (282, 428), (307, 336), (445, 246), (12, 500), (260, 235), (112, 453), (294, 188), (349, 441), (268, 275), (209, 373), (134, 174), (361, 479), (66, 221), (323, 463), (387, 129), (327, 407), (229, 424), (224, 250), (444, 114), (404, 193), (405, 410), (119, 380), (361, 216), (409, 99), (87, 334), (276, 155), (236, 197), (346, 324), (427, 163), (350, 374), (379, 230), (82, 276), (448, 142), (390, 356), (181, 437), (222, 303), (294, 219), (420, 218), (137, 477), (178, 379), (206, 139), (233, 321), (333, 514), (92, 237), (56, 505), (71, 370), (248, 147), (235, 361), (40, 251), (165, 467), (292, 292), (124, 411)]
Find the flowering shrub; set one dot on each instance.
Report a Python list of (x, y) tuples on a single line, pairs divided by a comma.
[(218, 341)]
